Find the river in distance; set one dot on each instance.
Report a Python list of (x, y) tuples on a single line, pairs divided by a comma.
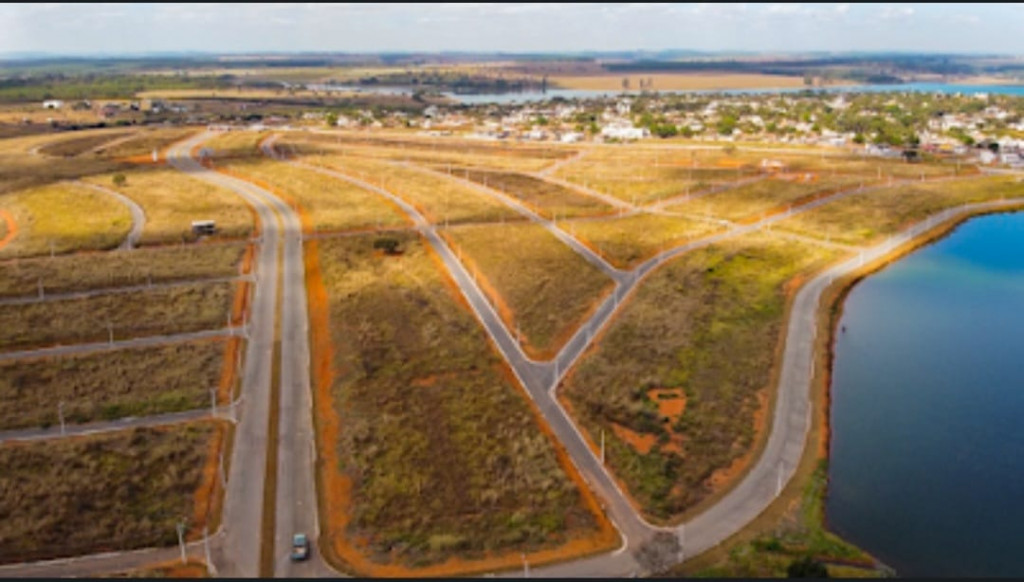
[(926, 467)]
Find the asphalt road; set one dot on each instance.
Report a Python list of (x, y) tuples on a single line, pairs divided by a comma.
[(138, 215), (238, 553)]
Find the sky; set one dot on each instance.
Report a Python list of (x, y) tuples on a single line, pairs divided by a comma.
[(89, 29)]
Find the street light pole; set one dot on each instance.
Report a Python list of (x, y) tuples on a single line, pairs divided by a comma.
[(181, 539)]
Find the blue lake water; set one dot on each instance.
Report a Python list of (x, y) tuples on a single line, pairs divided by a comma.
[(537, 96), (927, 408)]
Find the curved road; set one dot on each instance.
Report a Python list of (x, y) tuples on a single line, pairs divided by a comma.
[(138, 215)]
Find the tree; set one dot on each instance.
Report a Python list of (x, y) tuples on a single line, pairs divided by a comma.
[(331, 118), (659, 553), (387, 244), (119, 180), (806, 567)]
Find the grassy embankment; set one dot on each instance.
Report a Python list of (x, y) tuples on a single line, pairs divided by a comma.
[(431, 459), (537, 283), (680, 382), (436, 197), (866, 219), (628, 241), (545, 198), (62, 218), (109, 385), (172, 200), (134, 314), (108, 492), (86, 271)]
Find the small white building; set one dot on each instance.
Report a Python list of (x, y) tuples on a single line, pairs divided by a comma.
[(571, 137), (624, 132), (53, 104)]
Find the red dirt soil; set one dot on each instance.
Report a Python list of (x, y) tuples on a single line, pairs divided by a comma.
[(12, 228)]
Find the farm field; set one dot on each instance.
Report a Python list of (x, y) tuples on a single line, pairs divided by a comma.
[(413, 380), (436, 197), (751, 201), (332, 204), (172, 200), (114, 491), (84, 271), (679, 381), (545, 198), (536, 281), (133, 314), (627, 241), (64, 217), (868, 218), (109, 385)]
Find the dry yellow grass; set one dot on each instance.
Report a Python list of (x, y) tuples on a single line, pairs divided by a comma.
[(172, 200), (21, 169), (437, 197), (440, 153), (870, 217), (763, 196), (144, 142), (541, 285), (139, 313), (235, 144), (66, 216), (627, 241), (546, 198), (81, 143), (638, 177), (332, 204), (669, 82)]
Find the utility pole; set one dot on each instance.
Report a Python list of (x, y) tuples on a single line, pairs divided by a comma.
[(181, 539), (526, 567), (213, 402), (206, 547), (778, 485), (60, 415)]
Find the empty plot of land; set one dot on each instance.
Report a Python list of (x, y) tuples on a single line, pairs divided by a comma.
[(144, 142), (870, 217), (439, 156), (545, 198), (109, 385), (82, 143), (538, 284), (437, 197), (114, 491), (235, 145), (752, 200), (644, 181), (86, 271), (501, 149), (678, 382), (630, 240), (20, 170), (172, 200), (441, 451), (332, 204), (64, 217), (138, 313)]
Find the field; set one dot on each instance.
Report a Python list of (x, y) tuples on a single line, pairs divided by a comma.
[(331, 203), (441, 154), (436, 197), (144, 142), (680, 381), (536, 282), (670, 82), (85, 271), (173, 569), (20, 170), (868, 218), (751, 201), (63, 218), (109, 385), (235, 145), (137, 313), (82, 143), (628, 241), (115, 491), (643, 180), (545, 198), (172, 200), (445, 146), (437, 452)]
